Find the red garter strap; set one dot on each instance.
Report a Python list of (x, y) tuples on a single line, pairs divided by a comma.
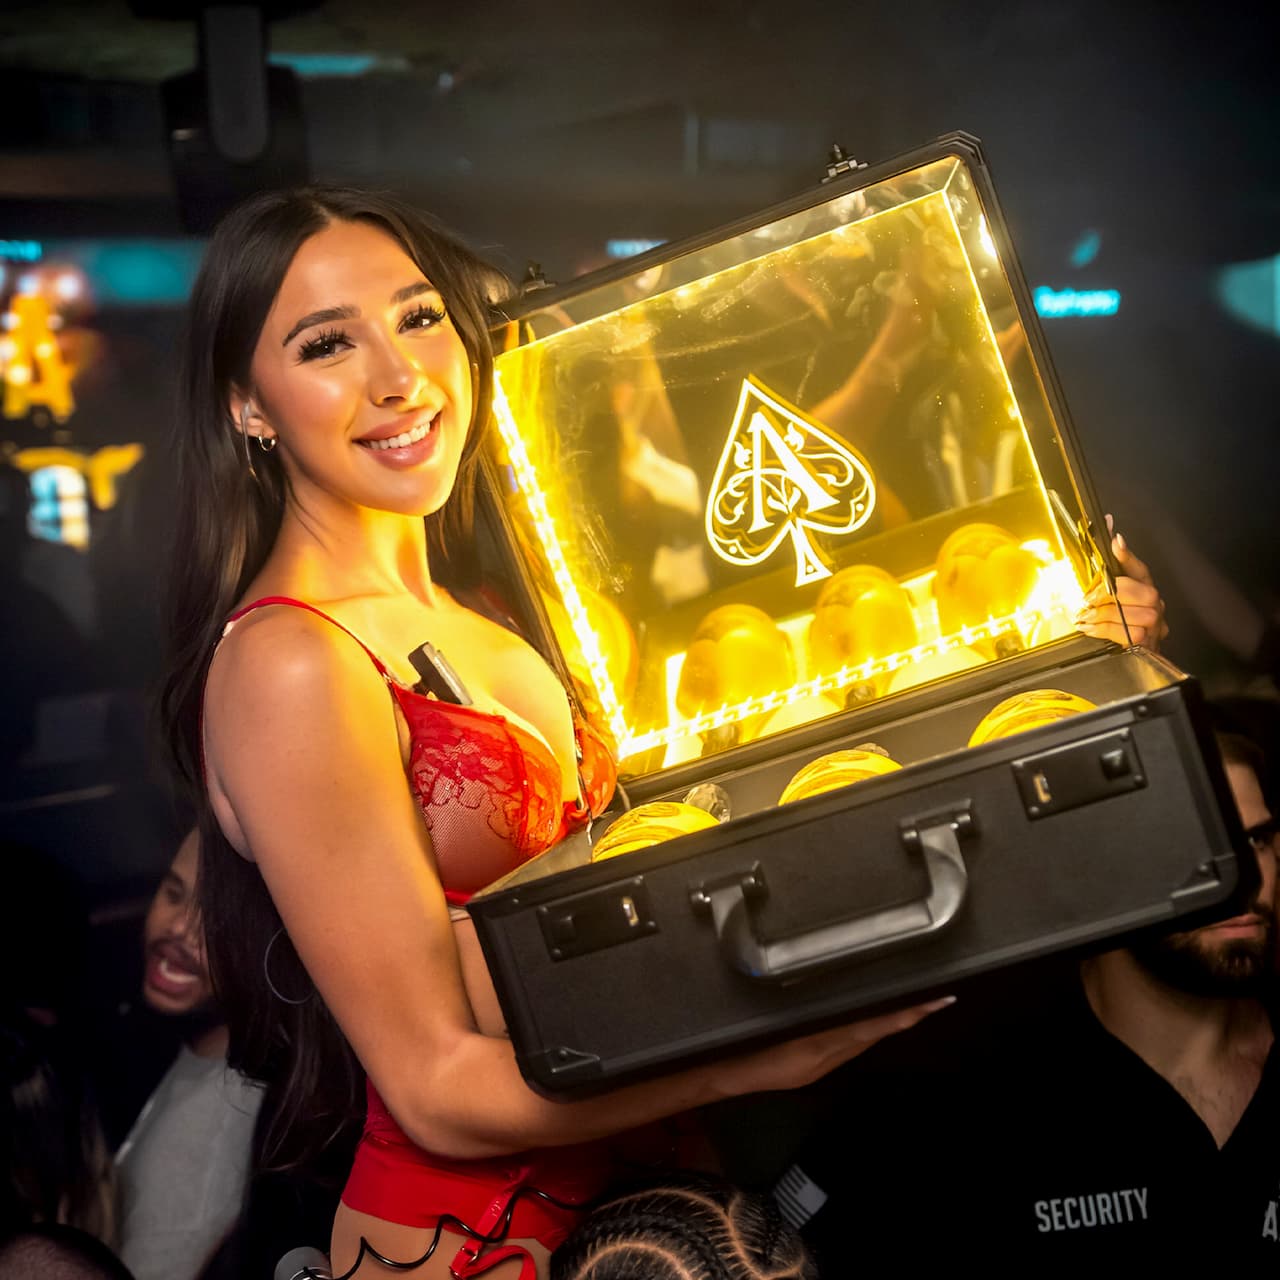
[(469, 1261), (464, 1266)]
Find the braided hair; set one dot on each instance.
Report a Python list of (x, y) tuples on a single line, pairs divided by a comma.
[(687, 1227)]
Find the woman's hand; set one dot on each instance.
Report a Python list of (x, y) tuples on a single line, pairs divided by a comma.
[(1136, 602)]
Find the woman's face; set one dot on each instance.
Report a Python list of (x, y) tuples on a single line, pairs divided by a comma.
[(362, 376)]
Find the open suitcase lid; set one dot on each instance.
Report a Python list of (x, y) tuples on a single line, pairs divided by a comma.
[(795, 466)]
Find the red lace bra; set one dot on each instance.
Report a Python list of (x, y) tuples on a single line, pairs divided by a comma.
[(489, 790)]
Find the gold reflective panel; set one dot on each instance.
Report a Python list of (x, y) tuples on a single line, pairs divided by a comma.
[(805, 467)]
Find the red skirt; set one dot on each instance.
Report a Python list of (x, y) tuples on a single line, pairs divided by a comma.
[(484, 1201)]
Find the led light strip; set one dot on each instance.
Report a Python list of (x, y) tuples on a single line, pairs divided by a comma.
[(544, 525), (1022, 621)]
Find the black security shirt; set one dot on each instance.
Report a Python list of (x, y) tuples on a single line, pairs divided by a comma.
[(1038, 1144)]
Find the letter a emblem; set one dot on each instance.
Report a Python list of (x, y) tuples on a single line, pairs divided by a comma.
[(781, 474)]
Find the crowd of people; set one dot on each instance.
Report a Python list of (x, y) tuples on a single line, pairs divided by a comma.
[(340, 1081)]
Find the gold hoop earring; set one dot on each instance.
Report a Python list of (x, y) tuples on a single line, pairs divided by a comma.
[(267, 443)]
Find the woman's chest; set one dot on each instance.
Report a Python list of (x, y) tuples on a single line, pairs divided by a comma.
[(496, 672)]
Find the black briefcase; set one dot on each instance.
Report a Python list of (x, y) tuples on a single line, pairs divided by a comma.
[(807, 486)]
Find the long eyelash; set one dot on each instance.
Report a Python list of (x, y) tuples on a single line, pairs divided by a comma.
[(315, 347), (423, 312)]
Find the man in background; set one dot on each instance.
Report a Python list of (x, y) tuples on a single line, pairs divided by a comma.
[(184, 1168), (1127, 1113)]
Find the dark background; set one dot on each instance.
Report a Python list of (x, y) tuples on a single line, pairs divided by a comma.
[(542, 131)]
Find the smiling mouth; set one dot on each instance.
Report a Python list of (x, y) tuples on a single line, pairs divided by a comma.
[(178, 976), (404, 439)]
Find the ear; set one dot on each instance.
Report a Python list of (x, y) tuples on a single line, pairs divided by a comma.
[(245, 416)]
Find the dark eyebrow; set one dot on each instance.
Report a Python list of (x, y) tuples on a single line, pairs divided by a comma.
[(412, 291), (320, 317), (329, 314)]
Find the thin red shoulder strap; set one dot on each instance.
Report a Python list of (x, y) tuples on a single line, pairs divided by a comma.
[(320, 613)]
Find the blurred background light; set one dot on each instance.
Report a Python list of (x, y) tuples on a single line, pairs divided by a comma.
[(1055, 304), (21, 250), (59, 507), (129, 273), (1250, 291), (337, 66), (629, 248), (1085, 250)]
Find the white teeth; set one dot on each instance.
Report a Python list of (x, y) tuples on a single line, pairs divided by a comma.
[(179, 976), (403, 440)]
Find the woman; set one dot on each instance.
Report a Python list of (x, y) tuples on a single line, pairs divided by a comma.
[(337, 386)]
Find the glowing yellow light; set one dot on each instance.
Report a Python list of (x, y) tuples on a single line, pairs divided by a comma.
[(540, 385), (100, 469), (1022, 621), (954, 206), (37, 374), (984, 235), (545, 528)]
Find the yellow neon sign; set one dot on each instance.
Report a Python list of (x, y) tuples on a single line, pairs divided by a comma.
[(101, 469), (33, 368)]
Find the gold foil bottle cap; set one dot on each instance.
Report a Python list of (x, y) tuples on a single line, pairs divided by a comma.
[(650, 824), (838, 769)]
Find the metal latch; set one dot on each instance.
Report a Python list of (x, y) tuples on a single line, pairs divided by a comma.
[(605, 917), (1082, 773)]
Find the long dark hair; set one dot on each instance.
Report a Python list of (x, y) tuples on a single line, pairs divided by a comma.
[(228, 519)]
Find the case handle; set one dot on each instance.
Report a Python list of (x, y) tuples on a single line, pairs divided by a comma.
[(732, 902)]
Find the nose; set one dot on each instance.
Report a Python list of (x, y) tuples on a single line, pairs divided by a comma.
[(395, 373), (180, 925)]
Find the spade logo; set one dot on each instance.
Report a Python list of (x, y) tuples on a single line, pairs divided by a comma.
[(782, 474)]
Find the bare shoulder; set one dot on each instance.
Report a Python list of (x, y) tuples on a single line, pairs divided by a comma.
[(289, 649), (287, 669), (303, 748)]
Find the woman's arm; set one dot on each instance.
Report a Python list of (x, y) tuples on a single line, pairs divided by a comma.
[(303, 741)]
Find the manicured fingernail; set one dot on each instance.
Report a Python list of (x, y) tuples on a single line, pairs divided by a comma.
[(1111, 524), (1121, 545), (934, 1005)]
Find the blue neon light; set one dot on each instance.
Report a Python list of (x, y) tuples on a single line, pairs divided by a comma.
[(133, 273), (629, 248), (1054, 304), (1085, 249), (21, 250), (1250, 291), (336, 66)]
